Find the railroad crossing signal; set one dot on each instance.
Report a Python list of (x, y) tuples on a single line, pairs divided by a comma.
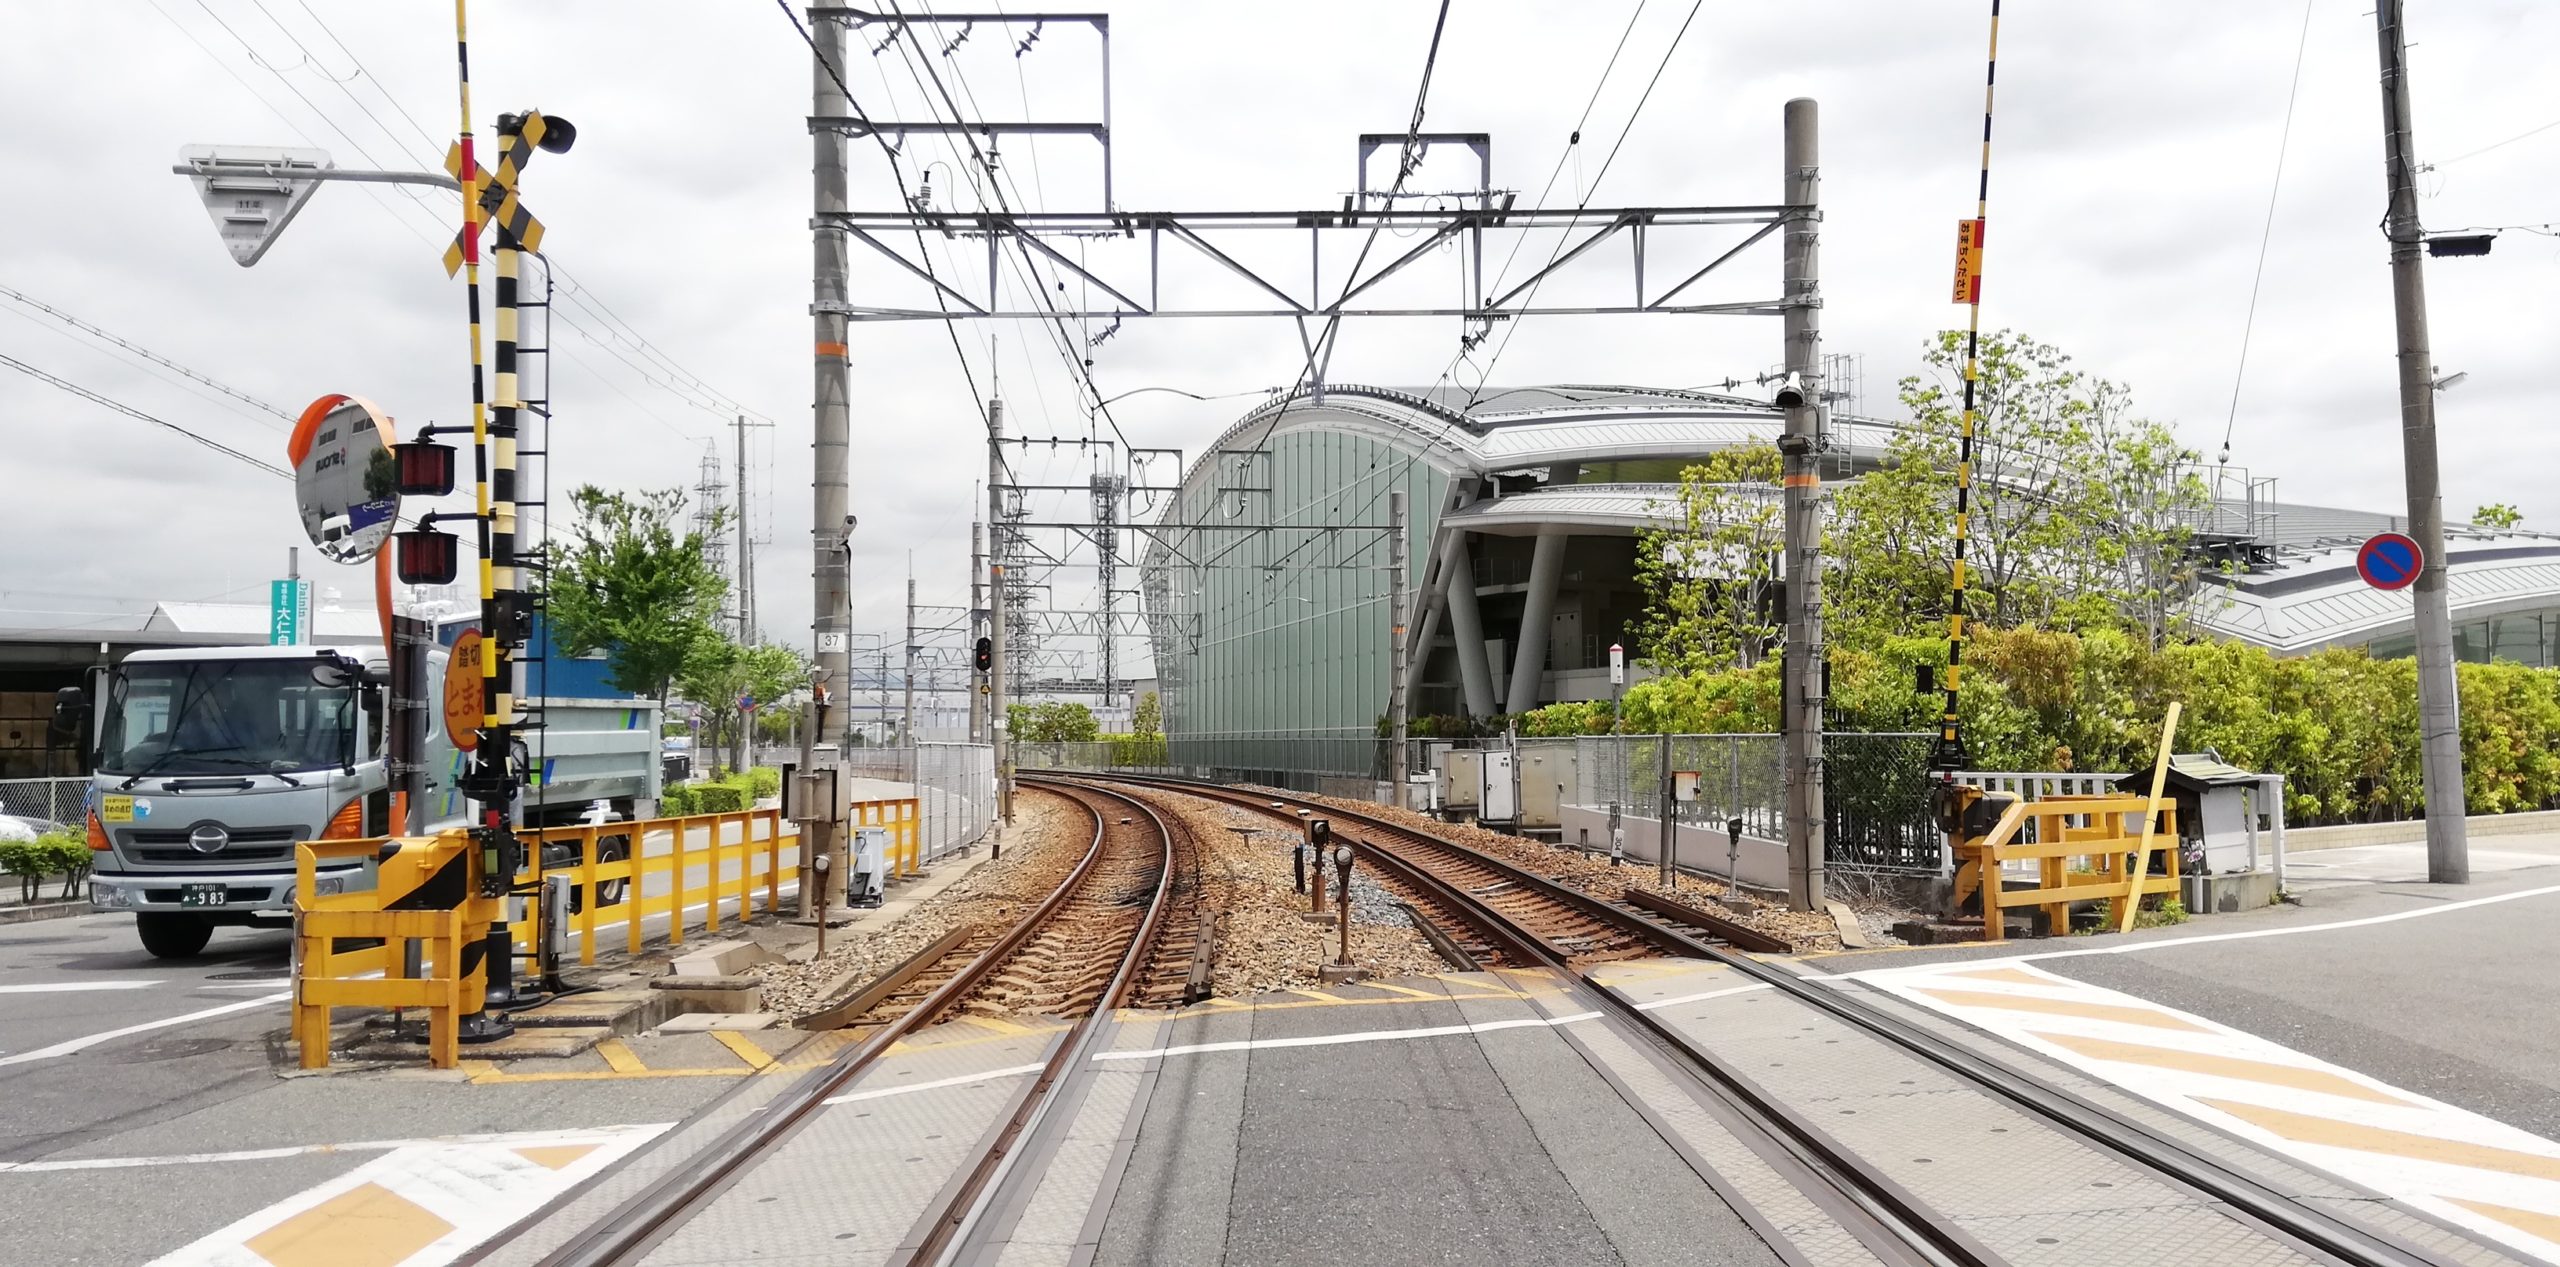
[(497, 186)]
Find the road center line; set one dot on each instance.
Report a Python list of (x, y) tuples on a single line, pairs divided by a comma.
[(69, 1046)]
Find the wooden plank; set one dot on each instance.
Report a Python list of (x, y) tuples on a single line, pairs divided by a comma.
[(2150, 819)]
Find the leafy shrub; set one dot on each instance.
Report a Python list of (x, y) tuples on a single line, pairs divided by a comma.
[(764, 781), (678, 800), (60, 853), (720, 798)]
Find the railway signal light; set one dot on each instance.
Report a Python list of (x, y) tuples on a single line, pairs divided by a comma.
[(984, 656)]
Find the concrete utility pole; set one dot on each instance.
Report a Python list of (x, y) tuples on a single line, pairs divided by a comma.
[(2439, 714), (746, 546), (1799, 393), (830, 521), (996, 727), (977, 610), (1396, 704), (909, 725)]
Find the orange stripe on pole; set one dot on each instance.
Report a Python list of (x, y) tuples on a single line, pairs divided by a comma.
[(831, 349)]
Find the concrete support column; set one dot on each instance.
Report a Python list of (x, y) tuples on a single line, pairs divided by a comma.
[(1467, 627), (1546, 571)]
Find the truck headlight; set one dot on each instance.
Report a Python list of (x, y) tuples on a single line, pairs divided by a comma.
[(109, 896)]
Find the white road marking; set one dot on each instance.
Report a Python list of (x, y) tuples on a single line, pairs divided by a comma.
[(961, 1080), (304, 1150), (69, 1046), (74, 987), (474, 1190), (1363, 1036), (1698, 998), (2171, 943)]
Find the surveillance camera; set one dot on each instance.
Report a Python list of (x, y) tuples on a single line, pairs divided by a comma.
[(850, 520), (1791, 393)]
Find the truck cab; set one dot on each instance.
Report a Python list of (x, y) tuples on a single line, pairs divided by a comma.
[(212, 764)]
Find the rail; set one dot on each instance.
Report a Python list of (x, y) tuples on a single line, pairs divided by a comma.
[(627, 1231)]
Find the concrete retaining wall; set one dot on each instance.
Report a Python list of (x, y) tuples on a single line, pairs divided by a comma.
[(1700, 848), (2349, 835)]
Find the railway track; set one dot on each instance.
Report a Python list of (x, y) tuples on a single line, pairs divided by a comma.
[(1528, 920), (1096, 943)]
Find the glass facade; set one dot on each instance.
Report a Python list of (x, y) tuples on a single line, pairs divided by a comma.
[(1266, 606), (2528, 638)]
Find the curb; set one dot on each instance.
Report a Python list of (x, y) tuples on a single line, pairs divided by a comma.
[(29, 914)]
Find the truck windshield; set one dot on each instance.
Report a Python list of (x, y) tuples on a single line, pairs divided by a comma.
[(226, 717)]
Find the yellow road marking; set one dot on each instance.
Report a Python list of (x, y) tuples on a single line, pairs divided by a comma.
[(607, 1075), (2530, 1222), (1318, 995), (555, 1156), (2295, 1076), (619, 1057), (755, 1056), (1406, 990), (2374, 1139), (365, 1226), (998, 1024), (2061, 1007)]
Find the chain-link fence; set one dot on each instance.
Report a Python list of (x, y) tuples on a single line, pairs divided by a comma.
[(1876, 789), (1876, 804), (45, 800)]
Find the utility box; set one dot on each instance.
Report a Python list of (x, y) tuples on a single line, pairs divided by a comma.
[(870, 867), (1544, 772), (1497, 799), (1462, 780), (2212, 797)]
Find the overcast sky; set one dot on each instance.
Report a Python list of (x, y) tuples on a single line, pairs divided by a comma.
[(2132, 162)]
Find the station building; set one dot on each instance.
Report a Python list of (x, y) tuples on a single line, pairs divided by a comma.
[(1266, 587)]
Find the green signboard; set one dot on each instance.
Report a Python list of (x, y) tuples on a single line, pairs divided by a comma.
[(288, 612)]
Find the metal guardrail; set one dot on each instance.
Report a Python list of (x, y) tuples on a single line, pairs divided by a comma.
[(744, 853)]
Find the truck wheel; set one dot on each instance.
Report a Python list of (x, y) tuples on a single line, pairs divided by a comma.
[(174, 936), (608, 892)]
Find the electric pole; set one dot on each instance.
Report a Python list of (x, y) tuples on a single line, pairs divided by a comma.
[(1801, 447), (746, 546), (910, 673), (831, 527), (977, 611), (996, 610), (2439, 713)]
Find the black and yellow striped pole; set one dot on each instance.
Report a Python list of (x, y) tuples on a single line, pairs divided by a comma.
[(1948, 753)]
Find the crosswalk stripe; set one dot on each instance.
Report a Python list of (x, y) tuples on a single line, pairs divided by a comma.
[(2266, 1071), (2062, 1007), (2332, 1133)]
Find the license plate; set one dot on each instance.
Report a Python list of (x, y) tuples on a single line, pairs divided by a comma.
[(203, 895)]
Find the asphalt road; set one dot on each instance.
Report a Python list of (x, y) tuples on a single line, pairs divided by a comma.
[(109, 1053)]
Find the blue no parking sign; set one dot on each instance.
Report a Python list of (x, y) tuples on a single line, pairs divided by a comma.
[(2390, 561)]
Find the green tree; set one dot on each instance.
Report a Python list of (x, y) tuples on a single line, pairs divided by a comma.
[(1051, 723), (1147, 720), (1709, 571), (633, 584), (723, 673), (2498, 515)]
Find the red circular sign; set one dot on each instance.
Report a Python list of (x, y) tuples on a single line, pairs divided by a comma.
[(2390, 561)]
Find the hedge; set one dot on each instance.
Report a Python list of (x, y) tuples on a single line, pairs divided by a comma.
[(61, 853), (2340, 725), (726, 794)]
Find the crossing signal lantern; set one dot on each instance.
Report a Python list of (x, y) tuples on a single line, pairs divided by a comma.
[(985, 656), (426, 556), (425, 467)]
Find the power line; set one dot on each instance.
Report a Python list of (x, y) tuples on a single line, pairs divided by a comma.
[(141, 351), (2555, 123), (2266, 232), (358, 63), (131, 412)]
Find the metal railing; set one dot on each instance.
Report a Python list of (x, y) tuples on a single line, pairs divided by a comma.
[(954, 786), (59, 800), (1876, 815)]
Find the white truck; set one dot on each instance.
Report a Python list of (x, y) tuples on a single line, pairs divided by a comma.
[(212, 763)]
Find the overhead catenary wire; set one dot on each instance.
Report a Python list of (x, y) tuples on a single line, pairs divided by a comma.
[(2266, 232), (147, 354)]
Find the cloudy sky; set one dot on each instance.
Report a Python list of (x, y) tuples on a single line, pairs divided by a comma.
[(2136, 145)]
